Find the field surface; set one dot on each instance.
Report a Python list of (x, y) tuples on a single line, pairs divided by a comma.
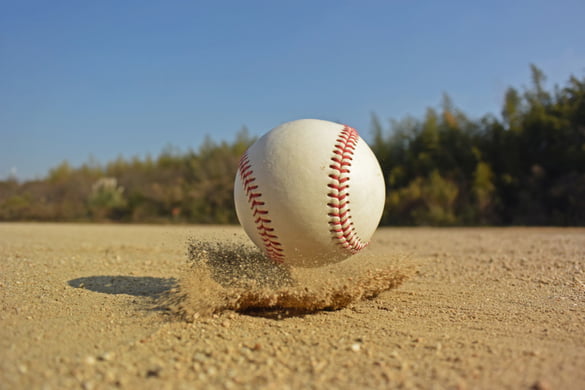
[(87, 307)]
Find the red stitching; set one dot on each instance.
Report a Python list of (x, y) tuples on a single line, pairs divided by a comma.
[(341, 225), (272, 246)]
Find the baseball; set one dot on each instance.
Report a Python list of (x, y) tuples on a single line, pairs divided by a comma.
[(309, 193)]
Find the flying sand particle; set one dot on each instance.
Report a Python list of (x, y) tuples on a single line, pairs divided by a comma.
[(227, 276)]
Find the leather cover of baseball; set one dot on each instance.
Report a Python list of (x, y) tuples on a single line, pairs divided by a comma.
[(309, 192)]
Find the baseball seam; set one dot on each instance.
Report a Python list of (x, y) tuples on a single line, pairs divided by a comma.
[(341, 226), (272, 246)]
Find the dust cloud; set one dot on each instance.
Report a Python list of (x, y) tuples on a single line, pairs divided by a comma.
[(224, 276)]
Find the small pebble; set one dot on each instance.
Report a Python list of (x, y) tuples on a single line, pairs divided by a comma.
[(256, 347), (541, 385), (90, 360), (87, 385), (106, 356)]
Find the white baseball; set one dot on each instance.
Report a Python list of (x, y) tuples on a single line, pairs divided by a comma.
[(309, 192)]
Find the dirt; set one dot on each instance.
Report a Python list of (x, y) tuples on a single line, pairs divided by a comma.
[(187, 307)]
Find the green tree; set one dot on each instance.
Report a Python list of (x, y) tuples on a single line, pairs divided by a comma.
[(425, 201), (106, 200)]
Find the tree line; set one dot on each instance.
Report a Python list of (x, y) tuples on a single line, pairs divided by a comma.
[(524, 167)]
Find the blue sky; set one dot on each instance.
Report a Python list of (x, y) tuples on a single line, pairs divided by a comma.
[(100, 79)]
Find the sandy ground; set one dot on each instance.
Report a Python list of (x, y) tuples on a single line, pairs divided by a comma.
[(85, 306)]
